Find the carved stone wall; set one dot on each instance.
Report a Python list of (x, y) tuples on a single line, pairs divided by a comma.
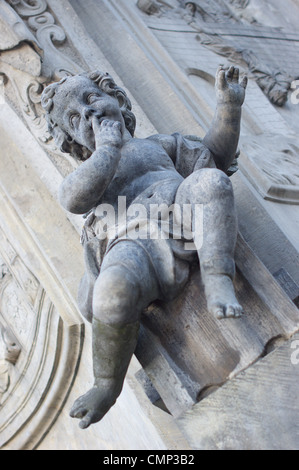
[(165, 54), (199, 36), (40, 359)]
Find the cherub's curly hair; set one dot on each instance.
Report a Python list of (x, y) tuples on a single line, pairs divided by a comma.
[(106, 83)]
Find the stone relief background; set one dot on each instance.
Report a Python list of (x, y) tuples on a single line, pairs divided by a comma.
[(176, 55), (200, 35)]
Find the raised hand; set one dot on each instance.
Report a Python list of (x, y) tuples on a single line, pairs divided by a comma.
[(228, 89), (107, 133)]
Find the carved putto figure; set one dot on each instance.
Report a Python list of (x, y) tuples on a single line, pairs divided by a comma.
[(91, 118)]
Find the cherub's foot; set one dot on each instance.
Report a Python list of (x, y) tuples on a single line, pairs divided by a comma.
[(93, 406), (221, 297)]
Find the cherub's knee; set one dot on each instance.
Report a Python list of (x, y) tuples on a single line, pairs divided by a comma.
[(115, 296), (213, 179), (210, 184)]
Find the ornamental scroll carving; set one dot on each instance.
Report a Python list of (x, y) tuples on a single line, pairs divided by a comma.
[(30, 58), (48, 37)]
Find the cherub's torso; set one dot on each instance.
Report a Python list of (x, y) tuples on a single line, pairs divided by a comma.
[(144, 168)]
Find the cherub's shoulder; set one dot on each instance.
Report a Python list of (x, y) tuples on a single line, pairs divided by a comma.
[(174, 139), (168, 142), (161, 139)]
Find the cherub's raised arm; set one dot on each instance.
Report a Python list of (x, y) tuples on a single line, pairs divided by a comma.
[(223, 136), (82, 189)]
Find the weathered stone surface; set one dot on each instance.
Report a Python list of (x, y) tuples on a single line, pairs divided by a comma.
[(171, 83), (13, 29), (274, 175), (53, 347), (220, 350), (258, 410)]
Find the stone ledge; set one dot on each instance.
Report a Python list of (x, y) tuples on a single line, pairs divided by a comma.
[(257, 410)]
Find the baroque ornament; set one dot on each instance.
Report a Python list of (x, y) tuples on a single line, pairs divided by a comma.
[(32, 58)]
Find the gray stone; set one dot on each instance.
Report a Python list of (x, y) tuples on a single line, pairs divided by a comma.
[(90, 117), (258, 410), (165, 57)]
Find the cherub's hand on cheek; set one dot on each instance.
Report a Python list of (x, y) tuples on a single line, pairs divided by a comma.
[(107, 133)]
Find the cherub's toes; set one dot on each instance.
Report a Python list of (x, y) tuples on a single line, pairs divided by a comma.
[(86, 422), (227, 311), (239, 312), (230, 311), (78, 413), (219, 313), (78, 410), (234, 311)]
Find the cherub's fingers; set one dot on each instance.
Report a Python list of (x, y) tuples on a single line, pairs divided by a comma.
[(244, 82), (230, 73), (236, 75), (117, 125), (107, 123), (95, 124), (220, 78)]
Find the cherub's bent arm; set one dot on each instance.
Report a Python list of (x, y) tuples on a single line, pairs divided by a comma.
[(82, 189), (223, 137)]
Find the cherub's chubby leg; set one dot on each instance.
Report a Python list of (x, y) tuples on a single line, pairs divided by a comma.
[(125, 287), (212, 189)]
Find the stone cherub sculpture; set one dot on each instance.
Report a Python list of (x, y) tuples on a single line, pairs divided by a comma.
[(91, 118)]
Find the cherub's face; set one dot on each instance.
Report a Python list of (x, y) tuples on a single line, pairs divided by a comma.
[(77, 102)]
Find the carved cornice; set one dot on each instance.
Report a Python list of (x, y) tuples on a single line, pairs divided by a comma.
[(32, 59)]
